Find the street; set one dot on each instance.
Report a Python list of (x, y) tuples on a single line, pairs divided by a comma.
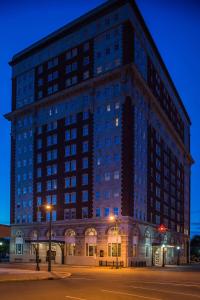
[(97, 284)]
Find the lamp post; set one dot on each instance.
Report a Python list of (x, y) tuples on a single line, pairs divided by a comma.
[(49, 209), (115, 219), (178, 255)]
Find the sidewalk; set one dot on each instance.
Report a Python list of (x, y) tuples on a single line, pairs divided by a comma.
[(10, 274)]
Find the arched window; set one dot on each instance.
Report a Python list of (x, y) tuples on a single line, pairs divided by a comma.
[(147, 237), (135, 241), (114, 242), (70, 240), (91, 242), (90, 232), (19, 243)]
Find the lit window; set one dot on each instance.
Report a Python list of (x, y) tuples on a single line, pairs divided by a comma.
[(107, 176), (116, 175), (117, 122)]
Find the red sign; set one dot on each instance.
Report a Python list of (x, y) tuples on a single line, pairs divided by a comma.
[(162, 228)]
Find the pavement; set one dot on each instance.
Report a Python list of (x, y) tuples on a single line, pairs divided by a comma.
[(11, 272), (95, 283)]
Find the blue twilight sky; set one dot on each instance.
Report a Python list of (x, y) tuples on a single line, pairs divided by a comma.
[(175, 27)]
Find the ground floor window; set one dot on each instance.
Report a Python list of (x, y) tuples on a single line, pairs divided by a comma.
[(147, 251), (113, 248), (91, 249), (71, 249), (19, 249), (134, 250)]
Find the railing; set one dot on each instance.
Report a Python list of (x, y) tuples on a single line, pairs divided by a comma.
[(138, 264), (105, 263)]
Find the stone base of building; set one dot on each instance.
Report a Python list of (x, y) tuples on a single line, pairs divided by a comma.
[(98, 242)]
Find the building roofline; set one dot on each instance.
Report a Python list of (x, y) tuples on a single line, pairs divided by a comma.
[(89, 17)]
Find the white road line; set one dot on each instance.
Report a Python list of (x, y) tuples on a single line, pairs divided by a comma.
[(164, 291), (128, 294), (80, 278), (187, 284), (71, 297)]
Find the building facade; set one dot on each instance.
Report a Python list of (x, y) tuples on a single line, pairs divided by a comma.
[(98, 129)]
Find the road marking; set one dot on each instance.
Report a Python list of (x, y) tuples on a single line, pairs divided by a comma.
[(163, 291), (80, 278), (187, 284), (128, 294), (71, 297)]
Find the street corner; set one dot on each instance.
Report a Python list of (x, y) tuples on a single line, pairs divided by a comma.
[(25, 275)]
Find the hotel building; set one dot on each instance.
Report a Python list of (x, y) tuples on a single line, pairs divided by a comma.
[(99, 129)]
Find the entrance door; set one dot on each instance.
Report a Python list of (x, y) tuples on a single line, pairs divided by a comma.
[(157, 257)]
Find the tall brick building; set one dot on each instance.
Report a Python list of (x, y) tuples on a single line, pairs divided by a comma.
[(99, 129)]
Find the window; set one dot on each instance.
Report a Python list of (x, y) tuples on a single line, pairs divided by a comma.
[(51, 185), (39, 144), (86, 46), (117, 140), (52, 155), (85, 130), (39, 158), (70, 198), (114, 249), (84, 212), (84, 196), (51, 126), (98, 212), (85, 146), (40, 69), (19, 249), (52, 140), (85, 115), (106, 211), (39, 172), (70, 213), (107, 176), (54, 215), (70, 134), (39, 201), (116, 122), (39, 187), (70, 150), (157, 191), (85, 163), (86, 74), (53, 76), (52, 63), (70, 182), (51, 170), (70, 120), (116, 211), (116, 175), (84, 179), (51, 199), (86, 60)]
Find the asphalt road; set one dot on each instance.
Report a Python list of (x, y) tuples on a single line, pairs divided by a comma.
[(107, 284)]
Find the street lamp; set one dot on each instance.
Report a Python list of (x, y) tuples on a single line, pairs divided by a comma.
[(49, 209), (178, 256), (115, 219)]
